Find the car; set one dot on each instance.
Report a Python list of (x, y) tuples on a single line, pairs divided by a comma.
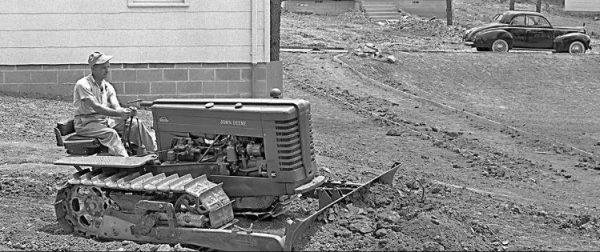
[(526, 30)]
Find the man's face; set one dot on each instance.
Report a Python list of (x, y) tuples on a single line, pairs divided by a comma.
[(101, 70)]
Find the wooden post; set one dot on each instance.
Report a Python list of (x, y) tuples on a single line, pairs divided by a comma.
[(448, 12), (275, 29), (511, 5), (538, 6)]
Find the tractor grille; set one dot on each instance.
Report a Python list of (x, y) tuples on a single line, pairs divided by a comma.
[(289, 146), (312, 146)]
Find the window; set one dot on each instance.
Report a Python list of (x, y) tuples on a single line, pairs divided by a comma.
[(158, 3), (537, 21), (518, 21), (497, 18)]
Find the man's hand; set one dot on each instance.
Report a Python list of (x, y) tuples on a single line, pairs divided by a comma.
[(133, 111), (126, 112)]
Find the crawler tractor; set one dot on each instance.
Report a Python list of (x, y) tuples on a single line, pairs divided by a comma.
[(218, 160)]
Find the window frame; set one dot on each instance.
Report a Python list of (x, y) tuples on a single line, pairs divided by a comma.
[(164, 3)]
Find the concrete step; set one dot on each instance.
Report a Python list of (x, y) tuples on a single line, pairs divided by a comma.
[(383, 17), (378, 4), (378, 1), (380, 9), (385, 13)]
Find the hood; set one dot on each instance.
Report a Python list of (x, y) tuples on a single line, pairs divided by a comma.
[(571, 28), (470, 32)]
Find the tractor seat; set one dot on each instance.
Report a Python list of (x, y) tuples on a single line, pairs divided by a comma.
[(75, 144)]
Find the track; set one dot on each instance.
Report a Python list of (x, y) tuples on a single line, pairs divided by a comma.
[(86, 201)]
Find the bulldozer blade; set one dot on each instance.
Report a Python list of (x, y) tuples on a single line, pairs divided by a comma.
[(299, 226)]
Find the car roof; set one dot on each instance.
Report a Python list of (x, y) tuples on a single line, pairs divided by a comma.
[(507, 16), (513, 13)]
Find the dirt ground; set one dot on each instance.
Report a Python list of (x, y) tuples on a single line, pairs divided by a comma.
[(498, 151)]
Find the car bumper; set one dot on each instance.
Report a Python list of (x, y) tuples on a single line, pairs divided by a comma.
[(469, 43)]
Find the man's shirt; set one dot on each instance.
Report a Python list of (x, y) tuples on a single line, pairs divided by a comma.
[(87, 87)]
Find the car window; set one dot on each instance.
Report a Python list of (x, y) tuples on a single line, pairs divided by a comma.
[(518, 20), (497, 18), (537, 21)]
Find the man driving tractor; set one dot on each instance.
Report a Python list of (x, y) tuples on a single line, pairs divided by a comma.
[(98, 112)]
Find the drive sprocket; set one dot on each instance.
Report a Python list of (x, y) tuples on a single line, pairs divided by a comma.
[(80, 209)]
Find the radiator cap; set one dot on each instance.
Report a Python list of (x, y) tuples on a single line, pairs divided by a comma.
[(275, 93)]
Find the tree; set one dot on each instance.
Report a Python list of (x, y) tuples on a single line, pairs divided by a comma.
[(511, 5), (538, 6)]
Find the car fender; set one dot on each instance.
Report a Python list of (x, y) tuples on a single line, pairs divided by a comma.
[(561, 43), (486, 38)]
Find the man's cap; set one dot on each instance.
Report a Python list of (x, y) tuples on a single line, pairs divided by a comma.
[(98, 58)]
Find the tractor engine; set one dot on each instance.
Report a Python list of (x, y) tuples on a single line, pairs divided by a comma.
[(238, 156)]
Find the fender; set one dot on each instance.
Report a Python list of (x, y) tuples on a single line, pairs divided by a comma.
[(486, 38), (561, 43)]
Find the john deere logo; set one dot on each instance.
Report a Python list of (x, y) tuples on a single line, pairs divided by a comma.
[(233, 122), (163, 119)]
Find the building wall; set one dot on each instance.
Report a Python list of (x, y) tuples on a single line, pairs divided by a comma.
[(203, 48), (582, 5), (325, 7), (66, 31)]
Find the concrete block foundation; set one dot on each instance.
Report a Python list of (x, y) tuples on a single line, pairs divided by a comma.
[(148, 81)]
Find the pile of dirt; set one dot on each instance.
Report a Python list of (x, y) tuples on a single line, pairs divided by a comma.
[(408, 216)]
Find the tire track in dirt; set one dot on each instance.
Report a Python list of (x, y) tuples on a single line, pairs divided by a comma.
[(479, 118)]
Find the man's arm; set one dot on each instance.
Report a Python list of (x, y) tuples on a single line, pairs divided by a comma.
[(104, 110), (112, 98), (114, 102)]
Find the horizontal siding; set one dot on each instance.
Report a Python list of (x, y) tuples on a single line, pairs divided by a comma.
[(582, 5), (66, 31), (118, 6), (131, 54), (120, 38), (128, 21)]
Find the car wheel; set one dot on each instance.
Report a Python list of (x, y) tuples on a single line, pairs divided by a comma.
[(500, 45), (576, 47)]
